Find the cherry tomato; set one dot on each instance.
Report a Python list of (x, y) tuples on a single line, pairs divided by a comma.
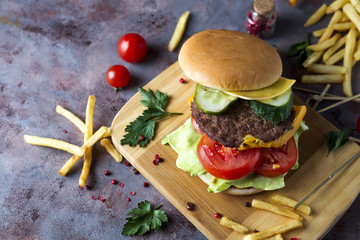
[(277, 161), (118, 76), (358, 124), (132, 47), (196, 126), (227, 163)]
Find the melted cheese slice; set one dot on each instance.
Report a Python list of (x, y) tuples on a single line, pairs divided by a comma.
[(276, 89), (253, 142)]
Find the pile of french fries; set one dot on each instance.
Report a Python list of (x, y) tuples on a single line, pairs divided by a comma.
[(338, 43), (281, 205), (85, 150)]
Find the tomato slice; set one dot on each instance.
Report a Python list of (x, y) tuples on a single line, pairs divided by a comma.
[(277, 161), (196, 126), (227, 163)]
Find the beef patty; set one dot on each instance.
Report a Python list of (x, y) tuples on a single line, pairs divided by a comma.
[(230, 127)]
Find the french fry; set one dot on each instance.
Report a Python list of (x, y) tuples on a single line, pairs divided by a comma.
[(336, 5), (313, 58), (348, 58), (356, 4), (88, 143), (327, 69), (325, 44), (318, 33), (108, 133), (293, 2), (350, 11), (290, 225), (233, 225), (329, 30), (111, 149), (71, 117), (357, 51), (334, 48), (54, 143), (344, 18), (288, 202), (275, 209), (335, 57), (316, 16), (89, 123), (343, 26), (179, 31), (276, 237), (324, 78)]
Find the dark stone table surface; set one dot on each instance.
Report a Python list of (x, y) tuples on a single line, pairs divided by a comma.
[(57, 52)]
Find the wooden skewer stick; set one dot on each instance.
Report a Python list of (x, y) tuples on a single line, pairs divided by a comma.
[(321, 96), (339, 103)]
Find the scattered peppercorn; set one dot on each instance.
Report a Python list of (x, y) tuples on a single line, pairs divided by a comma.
[(135, 171), (87, 187), (190, 206), (93, 198), (145, 184), (217, 215), (128, 199), (113, 181), (121, 185), (181, 80), (81, 187), (294, 238), (156, 162), (127, 163), (128, 168), (141, 138), (132, 193), (64, 131), (106, 172), (247, 204), (101, 199), (255, 231)]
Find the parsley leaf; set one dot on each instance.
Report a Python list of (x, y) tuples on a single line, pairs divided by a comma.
[(144, 219), (144, 125), (336, 139), (300, 49)]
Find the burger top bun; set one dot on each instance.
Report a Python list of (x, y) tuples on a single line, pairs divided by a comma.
[(230, 60)]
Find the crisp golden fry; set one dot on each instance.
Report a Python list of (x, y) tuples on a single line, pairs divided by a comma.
[(336, 5), (54, 143), (356, 4), (89, 123), (290, 225), (348, 60), (327, 69), (344, 19), (320, 13), (276, 237), (357, 51), (329, 30), (325, 78), (293, 2), (233, 225), (179, 31), (71, 117), (288, 202), (89, 143), (335, 57), (343, 26), (318, 33), (325, 44), (108, 133), (275, 209), (334, 48), (350, 11), (313, 58), (111, 149)]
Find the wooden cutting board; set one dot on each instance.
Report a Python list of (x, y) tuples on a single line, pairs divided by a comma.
[(328, 204)]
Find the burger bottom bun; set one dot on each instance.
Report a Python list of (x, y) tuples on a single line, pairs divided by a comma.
[(234, 190)]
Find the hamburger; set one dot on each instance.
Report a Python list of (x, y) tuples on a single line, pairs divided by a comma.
[(242, 136)]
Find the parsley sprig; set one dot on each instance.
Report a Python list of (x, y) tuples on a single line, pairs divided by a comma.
[(301, 50), (144, 219), (145, 124)]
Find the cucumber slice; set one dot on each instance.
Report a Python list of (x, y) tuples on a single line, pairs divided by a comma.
[(212, 101), (275, 110)]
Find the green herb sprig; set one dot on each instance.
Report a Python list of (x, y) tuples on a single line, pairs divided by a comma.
[(144, 125), (144, 219), (301, 50), (335, 139)]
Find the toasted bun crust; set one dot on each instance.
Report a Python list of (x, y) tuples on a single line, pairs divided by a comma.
[(234, 190), (230, 60)]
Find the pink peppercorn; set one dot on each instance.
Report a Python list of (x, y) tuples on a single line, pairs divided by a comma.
[(156, 162), (217, 215), (141, 138), (87, 187), (181, 80), (145, 184), (132, 193), (64, 131), (81, 187), (294, 238), (121, 185), (106, 172), (93, 198), (113, 181), (128, 199), (127, 163)]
